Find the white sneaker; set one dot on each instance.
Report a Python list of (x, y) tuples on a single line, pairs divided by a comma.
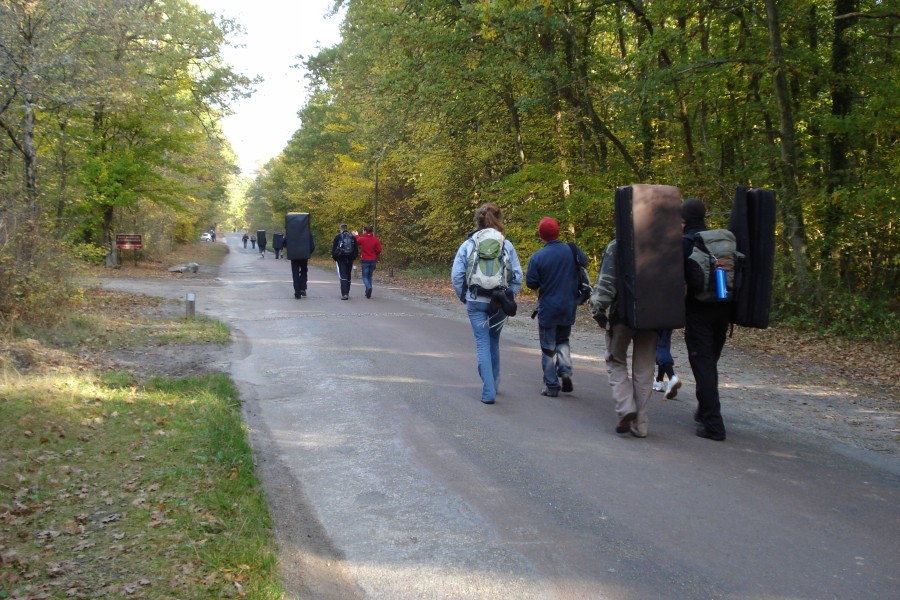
[(658, 386), (672, 387)]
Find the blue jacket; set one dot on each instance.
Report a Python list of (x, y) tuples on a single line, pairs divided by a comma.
[(553, 271)]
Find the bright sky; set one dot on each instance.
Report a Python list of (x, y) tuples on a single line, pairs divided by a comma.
[(276, 33)]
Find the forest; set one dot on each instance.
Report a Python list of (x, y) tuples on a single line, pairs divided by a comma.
[(109, 123), (427, 109)]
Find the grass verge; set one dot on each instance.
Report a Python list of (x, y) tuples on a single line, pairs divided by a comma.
[(109, 488)]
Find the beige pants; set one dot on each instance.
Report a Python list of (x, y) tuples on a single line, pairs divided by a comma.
[(631, 394)]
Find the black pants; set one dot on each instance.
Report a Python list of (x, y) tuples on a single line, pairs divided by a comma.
[(299, 270), (706, 325), (345, 270)]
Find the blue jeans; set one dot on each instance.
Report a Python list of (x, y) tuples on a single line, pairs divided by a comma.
[(556, 358), (368, 267), (486, 329)]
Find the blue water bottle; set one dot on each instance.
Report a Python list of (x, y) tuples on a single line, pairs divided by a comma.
[(721, 287)]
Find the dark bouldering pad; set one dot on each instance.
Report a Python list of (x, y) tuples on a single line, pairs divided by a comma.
[(649, 257)]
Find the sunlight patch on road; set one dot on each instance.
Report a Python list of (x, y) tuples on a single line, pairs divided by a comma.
[(384, 378)]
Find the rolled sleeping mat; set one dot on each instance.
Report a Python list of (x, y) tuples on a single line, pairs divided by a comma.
[(753, 225)]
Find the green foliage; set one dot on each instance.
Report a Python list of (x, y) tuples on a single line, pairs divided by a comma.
[(88, 253), (546, 107)]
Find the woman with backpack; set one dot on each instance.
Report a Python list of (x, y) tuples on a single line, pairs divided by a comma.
[(486, 262)]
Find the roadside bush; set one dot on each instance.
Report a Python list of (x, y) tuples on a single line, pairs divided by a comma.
[(37, 286), (89, 253)]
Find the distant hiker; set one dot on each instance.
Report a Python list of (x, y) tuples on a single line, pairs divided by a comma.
[(553, 271), (252, 242), (245, 239), (486, 262), (261, 242), (369, 251), (344, 251), (299, 266), (665, 366), (631, 395), (277, 244), (706, 325)]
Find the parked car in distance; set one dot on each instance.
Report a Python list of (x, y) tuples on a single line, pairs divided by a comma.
[(205, 237)]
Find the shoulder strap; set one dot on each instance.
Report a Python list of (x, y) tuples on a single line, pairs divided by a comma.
[(572, 247)]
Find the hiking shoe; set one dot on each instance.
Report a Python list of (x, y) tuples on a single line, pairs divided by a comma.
[(567, 384), (658, 386), (549, 393), (705, 433), (625, 423), (672, 387)]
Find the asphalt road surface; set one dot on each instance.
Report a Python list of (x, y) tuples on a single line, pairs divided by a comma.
[(389, 479)]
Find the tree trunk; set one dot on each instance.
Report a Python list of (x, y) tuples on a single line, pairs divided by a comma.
[(791, 206), (515, 124), (841, 105)]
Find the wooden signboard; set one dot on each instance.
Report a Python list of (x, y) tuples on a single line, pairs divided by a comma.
[(129, 241)]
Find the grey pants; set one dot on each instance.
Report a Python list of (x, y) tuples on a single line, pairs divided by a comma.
[(631, 394)]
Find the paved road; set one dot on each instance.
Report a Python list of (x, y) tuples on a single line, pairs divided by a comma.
[(390, 480)]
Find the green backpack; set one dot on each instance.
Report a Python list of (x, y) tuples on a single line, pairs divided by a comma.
[(488, 267), (714, 249)]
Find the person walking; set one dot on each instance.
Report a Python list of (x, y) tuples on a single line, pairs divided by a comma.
[(253, 242), (485, 317), (261, 242), (344, 251), (299, 258), (245, 239), (666, 366), (631, 395), (705, 329), (277, 244), (369, 251), (553, 271)]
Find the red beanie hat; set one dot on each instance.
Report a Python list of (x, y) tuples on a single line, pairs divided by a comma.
[(548, 229)]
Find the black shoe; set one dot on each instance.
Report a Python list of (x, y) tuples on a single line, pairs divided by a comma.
[(624, 425), (549, 393), (567, 384), (303, 292), (709, 435), (491, 401), (296, 297), (369, 293)]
